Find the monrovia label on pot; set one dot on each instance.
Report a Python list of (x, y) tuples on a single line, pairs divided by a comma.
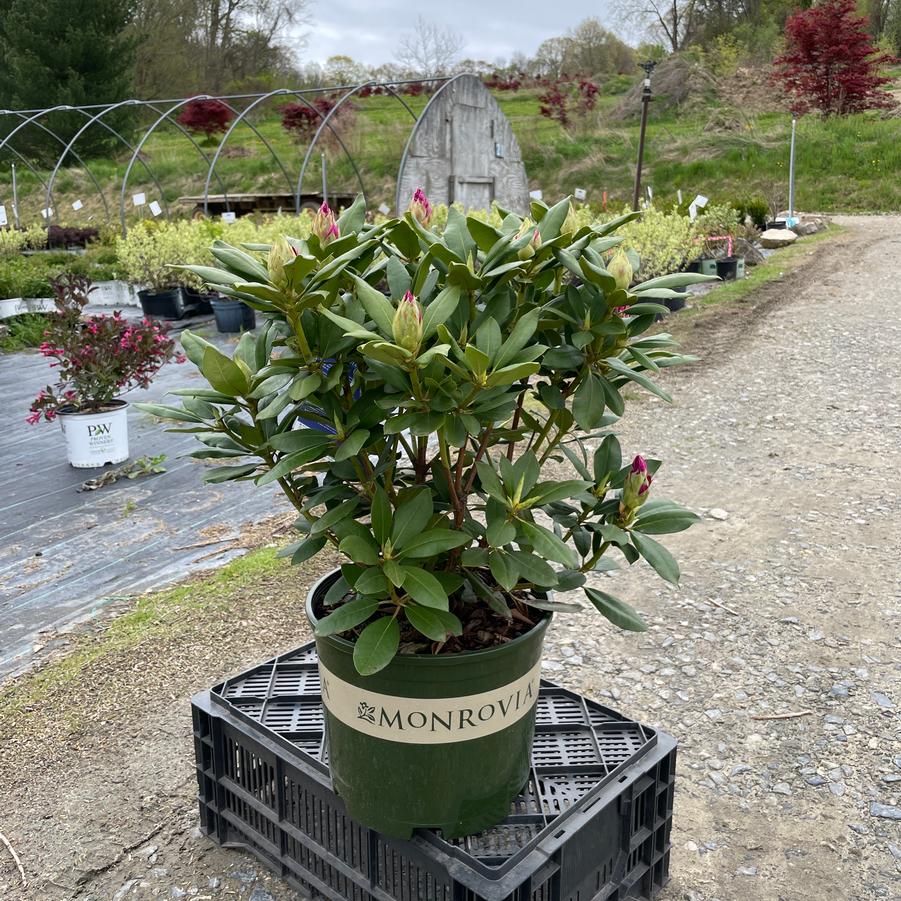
[(429, 721)]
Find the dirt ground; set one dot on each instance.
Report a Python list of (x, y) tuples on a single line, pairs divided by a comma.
[(775, 664)]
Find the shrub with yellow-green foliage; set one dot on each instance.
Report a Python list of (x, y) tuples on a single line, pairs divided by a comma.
[(664, 242), (152, 252), (14, 240)]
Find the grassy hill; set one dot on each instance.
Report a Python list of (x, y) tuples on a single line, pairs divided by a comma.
[(712, 146)]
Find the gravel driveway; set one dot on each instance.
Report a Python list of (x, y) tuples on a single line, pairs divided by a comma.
[(776, 664)]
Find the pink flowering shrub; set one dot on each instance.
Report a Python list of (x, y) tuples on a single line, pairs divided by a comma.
[(97, 357)]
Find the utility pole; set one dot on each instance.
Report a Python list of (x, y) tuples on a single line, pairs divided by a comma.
[(791, 175), (15, 196), (645, 100)]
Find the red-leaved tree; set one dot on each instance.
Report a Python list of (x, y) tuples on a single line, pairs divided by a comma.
[(829, 64), (206, 117)]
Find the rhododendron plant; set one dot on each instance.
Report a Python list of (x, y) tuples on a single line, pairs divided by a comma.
[(96, 357), (440, 410)]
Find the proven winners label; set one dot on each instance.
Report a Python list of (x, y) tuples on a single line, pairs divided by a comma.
[(429, 721)]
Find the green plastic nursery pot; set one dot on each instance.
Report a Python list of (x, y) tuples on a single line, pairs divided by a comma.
[(440, 742), (707, 266)]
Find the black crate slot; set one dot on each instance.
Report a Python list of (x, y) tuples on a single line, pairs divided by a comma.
[(592, 824)]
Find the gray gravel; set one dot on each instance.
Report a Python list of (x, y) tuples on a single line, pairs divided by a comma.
[(789, 445)]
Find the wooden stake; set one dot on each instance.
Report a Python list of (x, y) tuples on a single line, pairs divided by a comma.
[(12, 851)]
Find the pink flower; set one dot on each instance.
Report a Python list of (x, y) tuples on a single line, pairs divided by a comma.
[(34, 418)]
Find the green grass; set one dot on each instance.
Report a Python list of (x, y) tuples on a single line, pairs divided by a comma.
[(154, 615), (849, 164), (24, 331)]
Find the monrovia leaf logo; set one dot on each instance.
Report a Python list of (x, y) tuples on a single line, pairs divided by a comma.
[(365, 712)]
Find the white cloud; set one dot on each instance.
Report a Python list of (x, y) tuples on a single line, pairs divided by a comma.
[(369, 30)]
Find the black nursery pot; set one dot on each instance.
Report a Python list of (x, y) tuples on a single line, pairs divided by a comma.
[(727, 269), (201, 302), (168, 304), (232, 315)]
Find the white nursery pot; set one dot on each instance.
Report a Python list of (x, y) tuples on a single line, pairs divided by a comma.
[(95, 439)]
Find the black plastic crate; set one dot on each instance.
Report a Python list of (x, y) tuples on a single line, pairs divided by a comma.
[(592, 824)]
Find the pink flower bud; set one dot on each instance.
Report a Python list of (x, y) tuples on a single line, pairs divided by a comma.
[(636, 487), (420, 208), (325, 225)]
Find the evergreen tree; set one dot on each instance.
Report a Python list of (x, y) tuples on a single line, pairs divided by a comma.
[(65, 52)]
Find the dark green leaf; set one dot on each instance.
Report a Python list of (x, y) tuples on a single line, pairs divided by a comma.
[(395, 573), (433, 542), (377, 306), (439, 311), (658, 556), (335, 515), (381, 515), (351, 445), (424, 588), (618, 612), (372, 581), (301, 551), (504, 570), (663, 518), (411, 517), (548, 545), (434, 624), (624, 369), (552, 606), (360, 550), (222, 373), (227, 473), (347, 616), (588, 403), (377, 645), (162, 411), (534, 569), (608, 459)]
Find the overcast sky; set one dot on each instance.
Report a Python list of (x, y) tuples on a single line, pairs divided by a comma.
[(369, 30)]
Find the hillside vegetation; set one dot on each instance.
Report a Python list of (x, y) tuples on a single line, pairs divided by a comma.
[(724, 142)]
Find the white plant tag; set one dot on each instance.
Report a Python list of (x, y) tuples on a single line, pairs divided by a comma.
[(580, 193), (229, 216), (139, 199), (77, 205), (154, 208)]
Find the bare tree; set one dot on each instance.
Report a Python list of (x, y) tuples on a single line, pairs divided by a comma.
[(430, 49), (672, 20), (229, 26), (550, 56), (591, 49)]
